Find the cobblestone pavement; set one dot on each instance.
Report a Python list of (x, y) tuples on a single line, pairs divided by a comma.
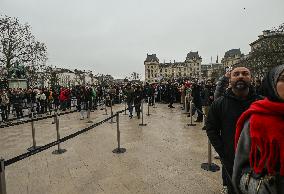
[(162, 157)]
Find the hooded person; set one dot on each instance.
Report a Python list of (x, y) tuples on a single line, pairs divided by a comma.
[(259, 140)]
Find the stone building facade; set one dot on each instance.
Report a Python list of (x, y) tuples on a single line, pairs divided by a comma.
[(212, 71), (156, 71), (232, 57)]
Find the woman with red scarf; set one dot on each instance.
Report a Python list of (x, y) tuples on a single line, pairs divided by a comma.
[(259, 140)]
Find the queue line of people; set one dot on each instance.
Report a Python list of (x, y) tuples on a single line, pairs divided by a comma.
[(246, 128)]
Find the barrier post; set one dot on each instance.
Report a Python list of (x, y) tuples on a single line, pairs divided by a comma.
[(105, 108), (148, 113), (185, 105), (142, 112), (125, 106), (154, 102), (209, 166), (118, 150), (2, 177), (33, 135), (111, 112), (89, 113), (59, 150), (101, 100), (54, 121), (190, 112)]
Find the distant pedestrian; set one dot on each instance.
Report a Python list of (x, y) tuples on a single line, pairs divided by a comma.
[(129, 93), (138, 96)]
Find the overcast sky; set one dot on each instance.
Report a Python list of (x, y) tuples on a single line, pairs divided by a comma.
[(114, 36)]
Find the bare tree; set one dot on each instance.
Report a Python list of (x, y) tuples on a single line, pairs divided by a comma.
[(267, 52), (19, 46)]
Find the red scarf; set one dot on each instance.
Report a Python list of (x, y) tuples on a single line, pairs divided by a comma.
[(267, 135)]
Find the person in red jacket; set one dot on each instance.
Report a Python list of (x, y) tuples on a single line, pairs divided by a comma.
[(63, 99)]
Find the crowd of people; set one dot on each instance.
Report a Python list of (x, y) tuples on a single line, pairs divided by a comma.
[(245, 125), (17, 101), (244, 121)]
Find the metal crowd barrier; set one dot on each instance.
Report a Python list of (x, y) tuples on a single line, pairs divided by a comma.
[(3, 125), (35, 150), (191, 115), (148, 113), (185, 105), (209, 165), (34, 119), (142, 114)]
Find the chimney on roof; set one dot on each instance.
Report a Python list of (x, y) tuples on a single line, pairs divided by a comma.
[(174, 61)]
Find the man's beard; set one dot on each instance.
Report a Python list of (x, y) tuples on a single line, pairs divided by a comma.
[(241, 85)]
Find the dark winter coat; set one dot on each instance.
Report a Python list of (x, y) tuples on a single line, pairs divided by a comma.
[(129, 92), (196, 94), (138, 96), (221, 122)]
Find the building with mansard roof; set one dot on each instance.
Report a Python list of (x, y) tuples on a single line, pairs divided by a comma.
[(156, 71), (232, 57)]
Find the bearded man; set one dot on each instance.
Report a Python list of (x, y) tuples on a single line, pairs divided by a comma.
[(223, 116)]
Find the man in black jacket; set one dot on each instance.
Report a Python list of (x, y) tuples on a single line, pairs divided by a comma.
[(171, 93), (129, 93), (223, 116), (196, 94)]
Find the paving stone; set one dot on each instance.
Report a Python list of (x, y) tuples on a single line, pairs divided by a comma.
[(162, 157)]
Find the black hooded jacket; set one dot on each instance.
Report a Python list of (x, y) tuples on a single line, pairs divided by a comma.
[(221, 122)]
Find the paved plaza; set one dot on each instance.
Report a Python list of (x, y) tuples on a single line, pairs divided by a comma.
[(162, 157)]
